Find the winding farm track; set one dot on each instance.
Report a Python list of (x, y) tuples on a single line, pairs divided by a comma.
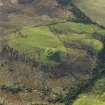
[(94, 9)]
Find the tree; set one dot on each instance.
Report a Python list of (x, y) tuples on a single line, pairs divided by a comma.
[(63, 2)]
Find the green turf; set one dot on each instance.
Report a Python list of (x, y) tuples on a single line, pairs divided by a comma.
[(68, 27), (42, 42), (85, 34), (36, 37), (86, 99), (75, 27), (31, 39), (95, 96), (95, 9)]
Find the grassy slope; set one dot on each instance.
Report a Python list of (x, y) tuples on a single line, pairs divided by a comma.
[(54, 37), (39, 37), (31, 38), (33, 41), (93, 9), (81, 33), (95, 96)]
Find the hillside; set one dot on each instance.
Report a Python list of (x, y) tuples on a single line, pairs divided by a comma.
[(95, 94), (51, 52), (94, 9)]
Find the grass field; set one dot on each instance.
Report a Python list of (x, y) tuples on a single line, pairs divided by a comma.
[(93, 9), (39, 37), (36, 42), (81, 33), (40, 42), (95, 96)]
